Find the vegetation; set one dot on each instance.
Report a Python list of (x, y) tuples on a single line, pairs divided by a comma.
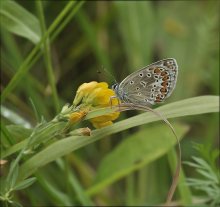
[(51, 155)]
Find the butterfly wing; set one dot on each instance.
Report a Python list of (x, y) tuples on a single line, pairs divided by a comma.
[(150, 84)]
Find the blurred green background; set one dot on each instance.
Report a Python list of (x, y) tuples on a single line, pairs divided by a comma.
[(121, 37)]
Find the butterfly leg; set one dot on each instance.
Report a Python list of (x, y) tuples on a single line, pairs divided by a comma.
[(113, 97)]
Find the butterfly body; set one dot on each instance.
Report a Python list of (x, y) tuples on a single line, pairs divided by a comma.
[(149, 85)]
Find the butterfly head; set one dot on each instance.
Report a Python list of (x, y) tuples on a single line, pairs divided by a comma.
[(115, 87)]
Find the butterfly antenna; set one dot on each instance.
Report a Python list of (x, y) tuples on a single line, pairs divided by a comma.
[(109, 74)]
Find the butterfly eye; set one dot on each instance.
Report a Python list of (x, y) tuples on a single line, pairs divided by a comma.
[(156, 76), (148, 75), (115, 86)]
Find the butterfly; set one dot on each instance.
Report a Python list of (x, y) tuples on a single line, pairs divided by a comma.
[(149, 85)]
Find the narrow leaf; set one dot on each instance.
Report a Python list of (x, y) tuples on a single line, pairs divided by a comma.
[(81, 195), (12, 175), (24, 184), (19, 21), (14, 117), (136, 151), (62, 147)]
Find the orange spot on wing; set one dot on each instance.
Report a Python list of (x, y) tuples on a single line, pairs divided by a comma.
[(163, 90), (163, 73), (157, 71), (165, 78), (164, 84)]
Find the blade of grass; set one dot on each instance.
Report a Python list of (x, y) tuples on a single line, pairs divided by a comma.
[(92, 37), (23, 69), (205, 104), (14, 58), (6, 138), (55, 195), (67, 20), (138, 150), (80, 192), (55, 33), (137, 27), (185, 193), (14, 117), (186, 107), (130, 190), (142, 185), (20, 21), (47, 56), (47, 132)]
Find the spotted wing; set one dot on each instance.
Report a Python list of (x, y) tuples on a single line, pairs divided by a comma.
[(151, 84)]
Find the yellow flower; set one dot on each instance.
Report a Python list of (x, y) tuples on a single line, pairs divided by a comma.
[(98, 125), (81, 131), (96, 95), (77, 116), (83, 92)]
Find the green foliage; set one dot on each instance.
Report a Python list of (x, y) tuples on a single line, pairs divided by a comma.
[(11, 184), (18, 20), (206, 167), (125, 158), (75, 39)]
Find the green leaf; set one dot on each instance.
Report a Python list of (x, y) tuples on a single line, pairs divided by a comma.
[(34, 54), (24, 184), (90, 33), (209, 175), (80, 193), (62, 147), (19, 132), (53, 193), (12, 175), (137, 24), (44, 134), (6, 138), (16, 204), (133, 153), (191, 164), (186, 107), (19, 21), (14, 117)]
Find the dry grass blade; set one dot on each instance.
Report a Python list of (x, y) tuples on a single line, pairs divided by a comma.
[(131, 106)]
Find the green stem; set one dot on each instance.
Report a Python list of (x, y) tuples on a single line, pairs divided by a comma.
[(185, 193), (47, 56), (18, 158), (67, 19), (7, 136), (130, 190), (142, 185), (23, 69)]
